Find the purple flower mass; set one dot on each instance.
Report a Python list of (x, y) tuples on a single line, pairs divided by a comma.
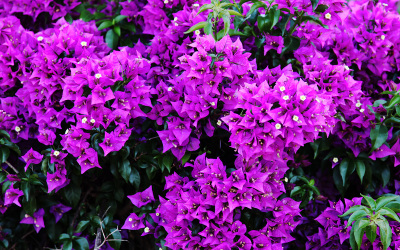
[(226, 124)]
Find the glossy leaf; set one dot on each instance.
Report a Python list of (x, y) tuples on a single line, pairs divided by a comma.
[(389, 213), (356, 216), (384, 200), (371, 202), (195, 27), (370, 231), (360, 167), (378, 135), (104, 25), (385, 233)]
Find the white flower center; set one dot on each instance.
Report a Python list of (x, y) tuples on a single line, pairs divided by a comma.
[(328, 16), (84, 44), (146, 229), (286, 97), (282, 88), (278, 126), (197, 32), (56, 153), (335, 159), (303, 97), (219, 123), (17, 129), (40, 38), (92, 120), (169, 88), (295, 118), (84, 120), (97, 76)]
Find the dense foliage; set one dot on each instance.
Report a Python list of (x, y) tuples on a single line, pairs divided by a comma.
[(183, 124)]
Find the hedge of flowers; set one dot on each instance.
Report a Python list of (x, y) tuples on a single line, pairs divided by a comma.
[(199, 124)]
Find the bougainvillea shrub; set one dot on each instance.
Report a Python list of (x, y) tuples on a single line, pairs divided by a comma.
[(199, 124)]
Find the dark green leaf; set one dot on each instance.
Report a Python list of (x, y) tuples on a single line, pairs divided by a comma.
[(167, 162), (120, 18), (5, 134), (117, 30), (369, 201), (389, 213), (197, 26), (371, 232), (205, 7), (125, 169), (356, 216), (291, 43), (4, 154), (360, 167), (378, 136), (105, 25), (321, 8), (384, 200), (314, 3), (256, 6), (134, 178), (385, 233), (82, 225), (344, 169), (395, 206), (86, 16), (395, 100), (377, 103), (64, 237), (111, 39), (116, 243), (81, 243), (72, 194), (67, 245), (359, 230), (274, 15), (25, 187)]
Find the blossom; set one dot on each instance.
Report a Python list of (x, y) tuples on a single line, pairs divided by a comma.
[(59, 210), (32, 157), (142, 198), (11, 196), (36, 220), (133, 222)]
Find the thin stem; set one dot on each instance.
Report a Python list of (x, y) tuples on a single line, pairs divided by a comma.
[(12, 167)]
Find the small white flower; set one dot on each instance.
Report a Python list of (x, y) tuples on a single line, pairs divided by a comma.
[(157, 214), (358, 104), (92, 120), (146, 229), (335, 159), (84, 120), (130, 219), (212, 103), (176, 24), (98, 76), (219, 123), (362, 110), (197, 32), (84, 44), (295, 118), (195, 5), (303, 98), (165, 1), (40, 38), (286, 97), (383, 37), (346, 67), (278, 126), (17, 129), (286, 179), (328, 16), (67, 131), (175, 19), (56, 153), (282, 88), (169, 88)]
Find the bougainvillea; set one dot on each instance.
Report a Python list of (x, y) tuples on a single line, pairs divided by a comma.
[(199, 124)]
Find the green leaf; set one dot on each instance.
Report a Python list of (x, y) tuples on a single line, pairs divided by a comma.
[(208, 28), (344, 169), (234, 13), (352, 210), (359, 230), (197, 26), (384, 200), (86, 16), (134, 178), (68, 18), (371, 232), (111, 39), (117, 30), (72, 194), (395, 206), (125, 169), (119, 18), (385, 175), (353, 242), (64, 237), (116, 243), (81, 243), (321, 8), (25, 187), (377, 103), (227, 22), (205, 7), (378, 136), (389, 213), (82, 225), (264, 23), (371, 202), (104, 25), (167, 162), (256, 6), (395, 100), (5, 134), (360, 167), (67, 245), (274, 17), (314, 3), (356, 216), (385, 233), (5, 153), (186, 157), (291, 43)]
